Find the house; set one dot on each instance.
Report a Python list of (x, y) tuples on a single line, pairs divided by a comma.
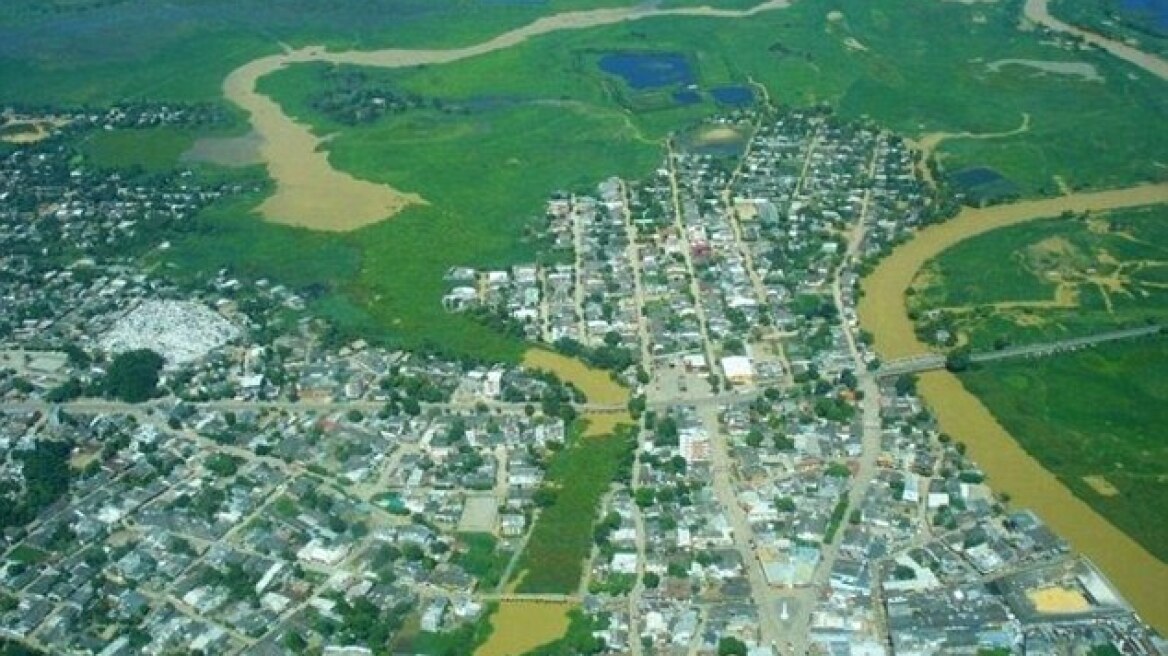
[(738, 369)]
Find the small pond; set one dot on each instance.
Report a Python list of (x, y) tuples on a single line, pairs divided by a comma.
[(646, 70)]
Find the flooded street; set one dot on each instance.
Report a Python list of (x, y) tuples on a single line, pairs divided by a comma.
[(1141, 577)]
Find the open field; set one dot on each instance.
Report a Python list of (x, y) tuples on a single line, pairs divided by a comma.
[(562, 536), (1113, 443), (1048, 280)]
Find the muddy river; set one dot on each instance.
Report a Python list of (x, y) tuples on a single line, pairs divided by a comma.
[(1139, 575)]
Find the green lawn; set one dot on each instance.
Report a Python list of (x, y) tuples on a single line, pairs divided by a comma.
[(27, 555), (561, 539), (1118, 434)]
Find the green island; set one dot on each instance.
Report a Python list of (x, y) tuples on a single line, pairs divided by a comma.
[(1051, 279), (561, 541)]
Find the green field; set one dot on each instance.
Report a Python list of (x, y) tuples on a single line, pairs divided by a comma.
[(561, 539), (153, 149), (1117, 435), (1057, 277)]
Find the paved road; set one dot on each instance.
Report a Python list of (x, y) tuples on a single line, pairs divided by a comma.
[(695, 287), (801, 603), (934, 361), (634, 256)]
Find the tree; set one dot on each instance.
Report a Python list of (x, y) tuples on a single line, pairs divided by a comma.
[(958, 359), (651, 580), (904, 573), (906, 384), (667, 432), (645, 497), (731, 646), (133, 376), (544, 497)]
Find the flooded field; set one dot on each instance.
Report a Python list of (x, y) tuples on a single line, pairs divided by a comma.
[(226, 151), (1083, 70), (604, 423), (309, 191), (648, 70), (597, 384), (520, 626), (1140, 576)]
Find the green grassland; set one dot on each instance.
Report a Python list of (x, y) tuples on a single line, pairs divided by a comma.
[(1118, 435), (1115, 263), (561, 539), (152, 149)]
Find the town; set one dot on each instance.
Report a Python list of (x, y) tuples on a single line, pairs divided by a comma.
[(283, 491)]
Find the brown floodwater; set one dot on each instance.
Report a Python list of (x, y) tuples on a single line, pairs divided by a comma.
[(520, 626), (1140, 576), (1036, 11), (597, 384), (243, 150)]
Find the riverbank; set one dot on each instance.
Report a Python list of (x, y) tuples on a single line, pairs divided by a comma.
[(1036, 11), (1138, 574)]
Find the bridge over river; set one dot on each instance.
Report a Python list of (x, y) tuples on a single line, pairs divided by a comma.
[(933, 361)]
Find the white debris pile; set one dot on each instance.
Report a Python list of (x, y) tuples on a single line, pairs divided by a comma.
[(180, 331)]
